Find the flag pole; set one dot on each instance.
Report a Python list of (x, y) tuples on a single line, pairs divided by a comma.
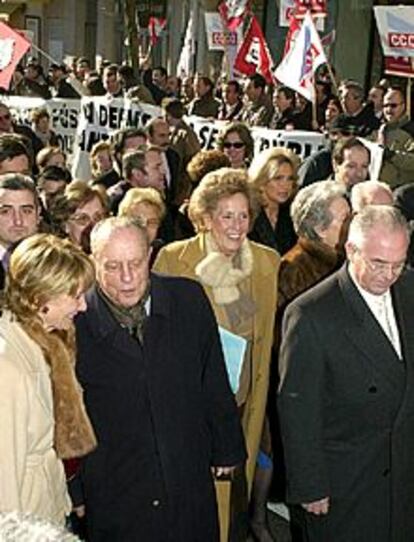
[(315, 124), (408, 96), (332, 76), (226, 47), (46, 55)]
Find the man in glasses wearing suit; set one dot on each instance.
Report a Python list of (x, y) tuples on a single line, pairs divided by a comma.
[(346, 398)]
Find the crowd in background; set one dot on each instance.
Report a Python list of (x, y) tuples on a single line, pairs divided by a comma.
[(254, 230)]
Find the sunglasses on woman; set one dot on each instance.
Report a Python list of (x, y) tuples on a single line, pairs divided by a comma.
[(234, 145)]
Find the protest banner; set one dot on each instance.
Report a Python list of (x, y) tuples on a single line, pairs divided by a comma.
[(396, 29), (301, 142), (101, 116), (318, 8), (402, 66), (63, 113), (81, 124)]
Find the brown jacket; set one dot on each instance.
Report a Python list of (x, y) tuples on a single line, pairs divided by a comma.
[(302, 267), (181, 258)]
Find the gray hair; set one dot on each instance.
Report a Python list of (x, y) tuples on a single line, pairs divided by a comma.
[(355, 87), (310, 208), (387, 217), (103, 230), (15, 527), (363, 194)]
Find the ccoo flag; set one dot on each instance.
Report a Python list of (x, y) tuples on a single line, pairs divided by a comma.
[(298, 67), (254, 55), (12, 47)]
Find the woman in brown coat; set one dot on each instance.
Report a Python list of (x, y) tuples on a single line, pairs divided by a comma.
[(240, 279), (319, 213)]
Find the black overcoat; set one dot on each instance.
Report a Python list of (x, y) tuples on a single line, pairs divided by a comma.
[(346, 405), (195, 420)]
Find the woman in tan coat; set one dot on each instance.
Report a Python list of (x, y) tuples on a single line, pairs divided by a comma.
[(240, 279), (42, 416)]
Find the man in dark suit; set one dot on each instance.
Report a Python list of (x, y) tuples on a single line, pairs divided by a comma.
[(151, 366), (158, 132), (346, 398)]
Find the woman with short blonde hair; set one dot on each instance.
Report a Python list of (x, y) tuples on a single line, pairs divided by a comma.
[(222, 183), (240, 279), (147, 205), (42, 415)]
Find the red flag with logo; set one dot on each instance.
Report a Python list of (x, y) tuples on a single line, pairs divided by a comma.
[(12, 47), (155, 26), (233, 12), (254, 55)]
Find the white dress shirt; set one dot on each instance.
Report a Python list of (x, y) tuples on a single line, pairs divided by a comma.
[(383, 311)]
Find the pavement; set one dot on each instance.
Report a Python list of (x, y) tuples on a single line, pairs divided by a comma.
[(278, 523)]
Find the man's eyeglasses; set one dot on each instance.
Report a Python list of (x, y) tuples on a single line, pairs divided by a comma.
[(235, 145), (378, 266), (392, 106)]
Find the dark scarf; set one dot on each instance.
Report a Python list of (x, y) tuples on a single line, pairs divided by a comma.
[(131, 318)]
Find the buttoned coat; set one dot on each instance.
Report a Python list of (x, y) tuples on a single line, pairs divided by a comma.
[(181, 258), (346, 405), (194, 417), (32, 478)]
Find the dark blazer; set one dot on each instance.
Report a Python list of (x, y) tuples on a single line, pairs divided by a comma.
[(194, 417), (346, 406), (281, 238)]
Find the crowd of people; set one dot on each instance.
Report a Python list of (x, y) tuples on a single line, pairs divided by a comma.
[(192, 326)]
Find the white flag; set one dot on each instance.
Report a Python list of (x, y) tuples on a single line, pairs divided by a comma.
[(298, 67), (185, 62)]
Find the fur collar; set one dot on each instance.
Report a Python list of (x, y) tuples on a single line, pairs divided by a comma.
[(220, 273)]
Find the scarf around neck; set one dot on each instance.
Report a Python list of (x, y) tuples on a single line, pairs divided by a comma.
[(224, 274)]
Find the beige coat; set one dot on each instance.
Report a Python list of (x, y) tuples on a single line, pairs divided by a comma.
[(32, 478), (180, 259)]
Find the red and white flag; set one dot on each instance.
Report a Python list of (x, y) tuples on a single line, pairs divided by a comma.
[(292, 34), (155, 27), (254, 55), (233, 12), (12, 47), (298, 67)]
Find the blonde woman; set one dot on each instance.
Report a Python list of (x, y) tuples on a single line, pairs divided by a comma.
[(240, 279), (147, 205), (273, 173), (42, 415)]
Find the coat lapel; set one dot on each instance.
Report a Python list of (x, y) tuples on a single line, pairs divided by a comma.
[(157, 338), (104, 326), (365, 332)]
